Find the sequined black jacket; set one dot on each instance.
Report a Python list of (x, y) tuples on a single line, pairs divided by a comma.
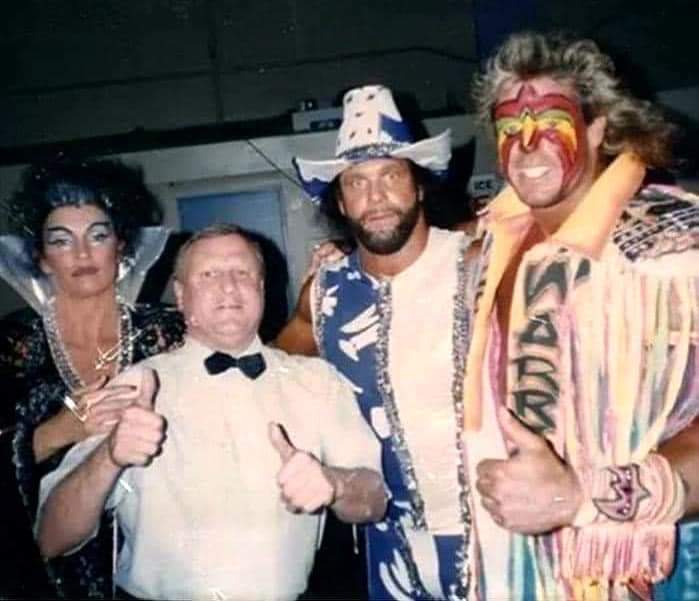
[(33, 391)]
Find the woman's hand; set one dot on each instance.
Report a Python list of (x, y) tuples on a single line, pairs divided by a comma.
[(94, 409), (100, 409)]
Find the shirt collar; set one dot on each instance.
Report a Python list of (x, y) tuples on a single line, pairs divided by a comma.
[(197, 351)]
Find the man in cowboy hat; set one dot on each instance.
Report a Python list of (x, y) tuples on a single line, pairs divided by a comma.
[(391, 316), (586, 327)]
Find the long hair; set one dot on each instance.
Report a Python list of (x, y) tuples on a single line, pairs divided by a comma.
[(632, 124)]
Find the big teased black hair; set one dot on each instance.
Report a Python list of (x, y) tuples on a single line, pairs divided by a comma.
[(116, 188)]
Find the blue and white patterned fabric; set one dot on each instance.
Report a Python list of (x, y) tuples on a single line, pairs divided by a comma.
[(423, 549), (683, 584), (372, 128)]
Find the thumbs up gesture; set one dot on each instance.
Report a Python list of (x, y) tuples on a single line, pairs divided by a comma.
[(139, 434), (305, 484), (534, 490)]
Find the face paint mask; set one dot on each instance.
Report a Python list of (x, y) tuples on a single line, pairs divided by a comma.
[(530, 118)]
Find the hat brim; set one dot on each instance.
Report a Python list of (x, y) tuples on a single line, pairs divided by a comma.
[(431, 153)]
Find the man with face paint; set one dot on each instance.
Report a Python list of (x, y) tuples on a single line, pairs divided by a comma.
[(581, 392), (541, 141)]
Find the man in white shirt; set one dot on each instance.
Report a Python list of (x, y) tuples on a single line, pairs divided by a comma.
[(229, 504)]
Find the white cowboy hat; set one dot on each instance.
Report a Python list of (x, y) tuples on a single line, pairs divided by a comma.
[(372, 128)]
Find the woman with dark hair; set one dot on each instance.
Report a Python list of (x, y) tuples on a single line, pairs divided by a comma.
[(79, 254)]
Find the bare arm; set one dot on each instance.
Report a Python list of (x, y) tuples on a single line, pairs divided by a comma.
[(61, 527), (68, 426), (52, 435), (98, 410), (682, 451), (134, 441), (297, 335), (359, 495)]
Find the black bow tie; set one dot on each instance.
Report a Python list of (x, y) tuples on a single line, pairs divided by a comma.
[(251, 365)]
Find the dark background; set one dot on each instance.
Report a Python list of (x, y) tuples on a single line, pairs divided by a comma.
[(121, 75)]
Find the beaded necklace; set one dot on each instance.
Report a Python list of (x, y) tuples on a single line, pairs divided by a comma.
[(122, 352)]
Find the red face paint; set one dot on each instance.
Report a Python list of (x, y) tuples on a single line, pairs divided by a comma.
[(531, 117)]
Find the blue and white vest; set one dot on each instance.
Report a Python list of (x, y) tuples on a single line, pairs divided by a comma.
[(402, 344)]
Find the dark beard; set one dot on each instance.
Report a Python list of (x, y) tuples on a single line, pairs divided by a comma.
[(389, 242)]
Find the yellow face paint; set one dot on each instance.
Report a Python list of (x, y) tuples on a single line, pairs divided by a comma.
[(528, 125), (530, 118)]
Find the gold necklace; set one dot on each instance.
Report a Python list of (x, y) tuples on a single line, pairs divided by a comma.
[(122, 350), (104, 358)]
